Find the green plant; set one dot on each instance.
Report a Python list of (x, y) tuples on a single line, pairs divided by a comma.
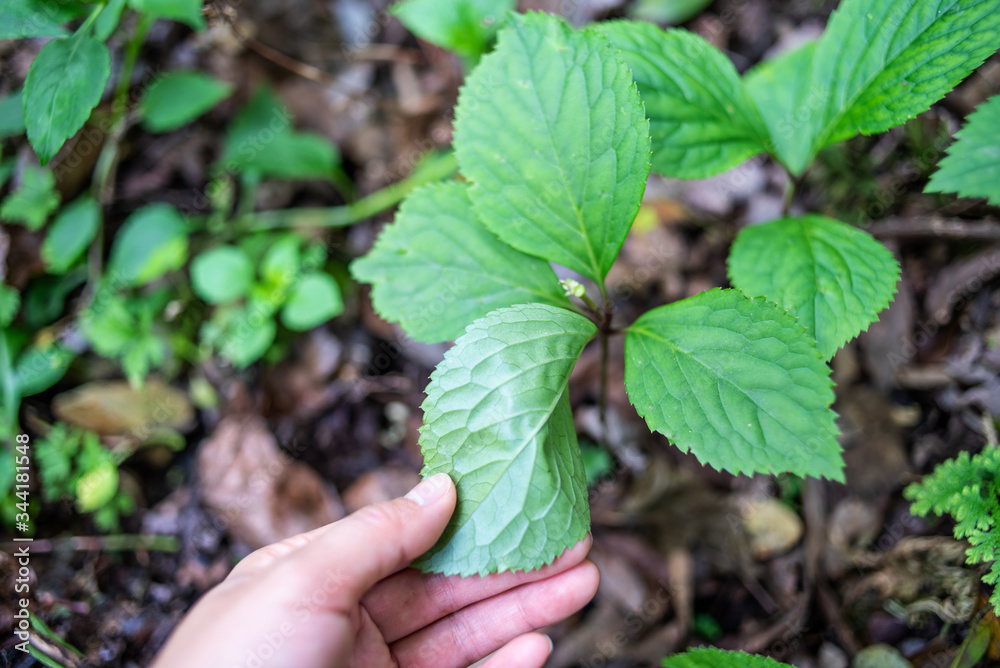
[(176, 285), (552, 137), (170, 286), (466, 27), (972, 167), (74, 466), (717, 658), (967, 488)]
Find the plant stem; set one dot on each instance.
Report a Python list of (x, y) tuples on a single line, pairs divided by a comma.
[(606, 330), (591, 305), (102, 185), (786, 205), (8, 388), (435, 169), (115, 543), (107, 162), (89, 21), (602, 401)]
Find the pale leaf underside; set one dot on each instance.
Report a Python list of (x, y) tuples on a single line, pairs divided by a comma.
[(497, 419)]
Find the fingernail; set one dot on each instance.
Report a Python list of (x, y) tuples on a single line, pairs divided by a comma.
[(429, 490), (551, 646)]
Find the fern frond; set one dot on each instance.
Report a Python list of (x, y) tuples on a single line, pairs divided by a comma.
[(968, 489)]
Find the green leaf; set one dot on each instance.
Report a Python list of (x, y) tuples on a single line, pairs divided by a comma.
[(108, 19), (177, 98), (737, 382), (282, 261), (886, 61), (247, 337), (54, 457), (222, 274), (497, 419), (705, 657), (145, 352), (882, 62), (184, 11), (33, 200), (972, 166), (20, 19), (10, 302), (70, 234), (296, 155), (437, 268), (313, 300), (667, 11), (65, 82), (12, 115), (97, 486), (108, 324), (701, 118), (781, 89), (834, 278), (152, 242), (462, 26), (550, 130), (37, 368), (255, 124), (261, 138), (46, 296)]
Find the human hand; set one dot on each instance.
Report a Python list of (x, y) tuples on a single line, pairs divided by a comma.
[(342, 596)]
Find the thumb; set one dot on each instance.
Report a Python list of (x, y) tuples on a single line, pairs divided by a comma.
[(380, 539)]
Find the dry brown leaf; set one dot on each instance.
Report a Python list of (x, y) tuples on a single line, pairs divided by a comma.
[(115, 407), (382, 484), (260, 494)]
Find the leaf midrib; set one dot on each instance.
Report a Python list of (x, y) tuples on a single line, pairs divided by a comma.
[(549, 296), (555, 152), (827, 130), (755, 129), (677, 349)]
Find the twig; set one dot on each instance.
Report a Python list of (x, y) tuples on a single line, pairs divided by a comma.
[(937, 228), (388, 53), (278, 58)]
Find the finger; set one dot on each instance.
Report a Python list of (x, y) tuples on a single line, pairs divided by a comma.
[(370, 544), (477, 630), (428, 598), (527, 651), (265, 557)]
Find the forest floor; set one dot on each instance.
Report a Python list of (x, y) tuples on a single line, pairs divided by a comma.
[(809, 572)]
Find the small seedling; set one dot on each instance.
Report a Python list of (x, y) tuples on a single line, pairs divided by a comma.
[(555, 133)]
